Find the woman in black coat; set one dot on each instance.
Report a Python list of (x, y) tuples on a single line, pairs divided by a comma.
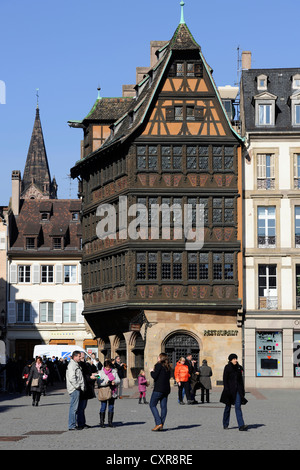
[(233, 392), (161, 375), (37, 377)]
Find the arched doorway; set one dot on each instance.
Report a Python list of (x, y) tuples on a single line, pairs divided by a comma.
[(181, 344)]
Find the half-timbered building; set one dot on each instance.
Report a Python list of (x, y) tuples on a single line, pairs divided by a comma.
[(171, 144)]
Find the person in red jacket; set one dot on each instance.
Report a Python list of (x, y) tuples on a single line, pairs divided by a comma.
[(182, 376)]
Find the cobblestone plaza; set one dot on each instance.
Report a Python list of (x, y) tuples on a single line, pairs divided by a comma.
[(272, 417)]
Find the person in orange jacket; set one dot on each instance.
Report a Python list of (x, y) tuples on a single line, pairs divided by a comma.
[(182, 375)]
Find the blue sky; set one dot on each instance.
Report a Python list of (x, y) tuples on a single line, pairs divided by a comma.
[(67, 48)]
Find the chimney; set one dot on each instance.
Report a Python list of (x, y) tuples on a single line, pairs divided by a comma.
[(15, 191), (246, 60), (154, 47)]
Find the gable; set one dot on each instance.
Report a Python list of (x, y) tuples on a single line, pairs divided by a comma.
[(187, 103)]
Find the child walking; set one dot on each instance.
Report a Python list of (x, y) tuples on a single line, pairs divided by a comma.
[(142, 382)]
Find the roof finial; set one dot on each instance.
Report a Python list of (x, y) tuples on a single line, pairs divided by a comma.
[(182, 15), (37, 98), (98, 88)]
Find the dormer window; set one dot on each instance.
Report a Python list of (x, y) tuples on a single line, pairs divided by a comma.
[(30, 243), (57, 243), (45, 216), (295, 108), (265, 109), (262, 82), (296, 82)]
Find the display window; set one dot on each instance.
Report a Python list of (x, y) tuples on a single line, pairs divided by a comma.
[(269, 353)]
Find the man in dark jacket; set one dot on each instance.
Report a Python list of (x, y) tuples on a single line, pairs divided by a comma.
[(233, 392), (194, 376), (89, 377)]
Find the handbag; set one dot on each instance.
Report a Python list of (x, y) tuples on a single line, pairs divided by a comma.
[(104, 393), (35, 382)]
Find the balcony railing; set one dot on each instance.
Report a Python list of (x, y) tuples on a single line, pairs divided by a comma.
[(266, 183), (267, 242), (268, 303)]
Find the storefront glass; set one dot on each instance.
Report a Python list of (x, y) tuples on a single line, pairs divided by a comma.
[(268, 353), (296, 354)]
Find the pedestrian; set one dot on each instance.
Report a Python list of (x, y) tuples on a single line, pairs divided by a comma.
[(191, 363), (161, 375), (121, 369), (75, 384), (182, 376), (205, 373), (89, 377), (37, 375), (108, 381), (25, 376), (142, 386), (233, 392)]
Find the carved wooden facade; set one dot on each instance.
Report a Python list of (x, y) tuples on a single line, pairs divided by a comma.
[(173, 145)]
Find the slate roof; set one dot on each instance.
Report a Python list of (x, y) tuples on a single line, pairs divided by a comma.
[(29, 223), (280, 85)]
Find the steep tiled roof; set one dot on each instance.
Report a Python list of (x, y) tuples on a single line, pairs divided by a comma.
[(108, 109), (134, 117), (29, 223)]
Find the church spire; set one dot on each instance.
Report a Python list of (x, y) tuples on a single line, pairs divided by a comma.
[(36, 182)]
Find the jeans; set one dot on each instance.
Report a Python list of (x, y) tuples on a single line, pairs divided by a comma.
[(186, 387), (111, 404), (163, 399), (238, 412), (73, 408), (80, 412)]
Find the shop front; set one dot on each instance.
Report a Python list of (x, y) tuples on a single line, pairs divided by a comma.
[(272, 353)]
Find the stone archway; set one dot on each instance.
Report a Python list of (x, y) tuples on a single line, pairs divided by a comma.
[(180, 343)]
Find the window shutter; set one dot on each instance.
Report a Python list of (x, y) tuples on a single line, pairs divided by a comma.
[(272, 166), (199, 113), (34, 311), (79, 273), (2, 240), (58, 274), (13, 273), (11, 314), (80, 307), (58, 312), (172, 71), (295, 166), (170, 113), (261, 166), (36, 274)]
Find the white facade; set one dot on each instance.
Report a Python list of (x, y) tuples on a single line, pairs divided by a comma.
[(272, 308), (45, 302)]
